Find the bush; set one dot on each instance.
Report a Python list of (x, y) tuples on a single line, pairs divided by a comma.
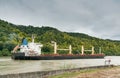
[(5, 52), (47, 49)]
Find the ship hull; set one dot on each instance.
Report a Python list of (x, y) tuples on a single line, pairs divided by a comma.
[(21, 56)]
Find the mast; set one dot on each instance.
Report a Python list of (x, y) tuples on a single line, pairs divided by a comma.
[(33, 38)]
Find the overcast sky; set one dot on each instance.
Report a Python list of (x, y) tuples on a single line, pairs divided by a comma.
[(99, 18)]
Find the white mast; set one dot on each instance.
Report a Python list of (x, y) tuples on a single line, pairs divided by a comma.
[(33, 38)]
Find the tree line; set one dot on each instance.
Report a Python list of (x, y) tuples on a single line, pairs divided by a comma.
[(11, 35)]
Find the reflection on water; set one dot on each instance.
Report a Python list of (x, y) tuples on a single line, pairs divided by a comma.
[(7, 65)]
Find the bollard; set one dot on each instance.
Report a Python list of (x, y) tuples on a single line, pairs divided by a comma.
[(107, 62)]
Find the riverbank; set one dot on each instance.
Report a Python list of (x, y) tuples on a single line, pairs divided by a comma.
[(102, 73), (109, 72), (47, 74)]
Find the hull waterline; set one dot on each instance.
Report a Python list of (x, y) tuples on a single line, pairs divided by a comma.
[(21, 56)]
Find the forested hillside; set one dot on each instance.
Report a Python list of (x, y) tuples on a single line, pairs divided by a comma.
[(11, 35)]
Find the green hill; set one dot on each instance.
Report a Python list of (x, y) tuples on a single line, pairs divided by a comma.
[(11, 35)]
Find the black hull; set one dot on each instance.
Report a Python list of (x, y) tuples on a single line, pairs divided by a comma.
[(21, 56)]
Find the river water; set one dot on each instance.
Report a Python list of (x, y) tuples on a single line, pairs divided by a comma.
[(9, 66)]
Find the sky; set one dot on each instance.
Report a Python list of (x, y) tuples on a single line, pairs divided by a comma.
[(98, 18)]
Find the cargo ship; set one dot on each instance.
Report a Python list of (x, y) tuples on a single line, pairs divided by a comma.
[(32, 51)]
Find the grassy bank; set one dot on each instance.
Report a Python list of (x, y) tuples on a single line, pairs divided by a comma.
[(92, 73)]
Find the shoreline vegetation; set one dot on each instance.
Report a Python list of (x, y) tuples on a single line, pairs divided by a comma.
[(11, 35), (107, 72)]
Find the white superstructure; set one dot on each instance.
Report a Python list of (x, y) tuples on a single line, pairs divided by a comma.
[(30, 49)]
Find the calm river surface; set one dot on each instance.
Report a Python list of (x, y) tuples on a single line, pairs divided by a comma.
[(8, 66)]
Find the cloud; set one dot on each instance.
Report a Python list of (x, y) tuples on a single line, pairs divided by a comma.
[(98, 18)]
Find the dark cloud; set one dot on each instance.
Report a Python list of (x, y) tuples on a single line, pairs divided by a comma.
[(98, 18)]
